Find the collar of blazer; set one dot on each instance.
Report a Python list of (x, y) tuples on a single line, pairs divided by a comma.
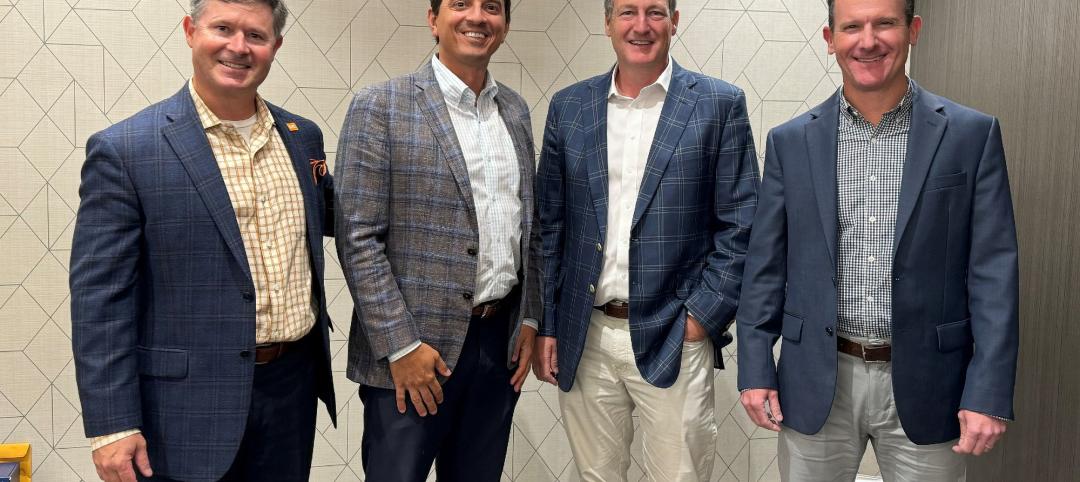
[(514, 114), (184, 133), (678, 106), (928, 121)]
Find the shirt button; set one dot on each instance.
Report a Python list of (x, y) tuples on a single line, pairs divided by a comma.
[(871, 259), (869, 299), (873, 178), (873, 219)]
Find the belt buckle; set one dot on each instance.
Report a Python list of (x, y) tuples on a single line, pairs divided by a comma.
[(265, 345), (487, 310), (868, 348)]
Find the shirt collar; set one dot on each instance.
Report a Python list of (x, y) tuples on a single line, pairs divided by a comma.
[(664, 81), (454, 89), (209, 120), (902, 108)]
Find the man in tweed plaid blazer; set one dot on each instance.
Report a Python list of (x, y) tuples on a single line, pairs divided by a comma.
[(647, 186), (436, 237), (199, 321)]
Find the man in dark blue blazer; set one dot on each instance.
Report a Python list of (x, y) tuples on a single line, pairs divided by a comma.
[(647, 184), (199, 319), (884, 255)]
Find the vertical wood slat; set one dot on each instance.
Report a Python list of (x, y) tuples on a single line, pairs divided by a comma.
[(1020, 60)]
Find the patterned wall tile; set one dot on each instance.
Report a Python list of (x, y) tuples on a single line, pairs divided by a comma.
[(72, 67)]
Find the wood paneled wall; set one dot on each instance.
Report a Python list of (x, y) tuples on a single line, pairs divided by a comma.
[(1020, 60)]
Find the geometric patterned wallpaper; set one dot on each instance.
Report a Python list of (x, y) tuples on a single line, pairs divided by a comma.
[(69, 68)]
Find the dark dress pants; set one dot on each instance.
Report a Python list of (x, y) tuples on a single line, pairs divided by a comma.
[(467, 438), (280, 432)]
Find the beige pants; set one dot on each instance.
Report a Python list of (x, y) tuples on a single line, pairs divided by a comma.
[(862, 410), (677, 423)]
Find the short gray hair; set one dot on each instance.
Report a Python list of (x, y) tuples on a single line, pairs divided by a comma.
[(276, 6), (609, 5)]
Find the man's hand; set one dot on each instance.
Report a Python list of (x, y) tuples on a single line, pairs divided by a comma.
[(114, 461), (694, 331), (523, 348), (546, 359), (763, 407), (978, 433), (415, 374)]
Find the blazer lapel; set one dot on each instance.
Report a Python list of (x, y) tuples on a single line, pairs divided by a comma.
[(304, 175), (594, 114), (678, 107), (519, 135), (433, 105), (821, 134), (187, 138), (928, 124)]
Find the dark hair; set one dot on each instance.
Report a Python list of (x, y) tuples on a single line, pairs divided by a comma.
[(436, 4), (909, 11), (276, 6), (609, 5)]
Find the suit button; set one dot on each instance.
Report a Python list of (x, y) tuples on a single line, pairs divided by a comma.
[(592, 288), (828, 331), (248, 296), (245, 354), (471, 251), (467, 295), (897, 278), (600, 247)]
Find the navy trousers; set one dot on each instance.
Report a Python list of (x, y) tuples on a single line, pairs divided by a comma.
[(467, 438), (280, 433)]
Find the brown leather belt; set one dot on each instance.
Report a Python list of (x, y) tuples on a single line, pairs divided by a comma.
[(616, 309), (272, 351), (486, 310), (879, 353)]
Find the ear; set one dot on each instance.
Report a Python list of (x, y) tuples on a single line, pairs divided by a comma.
[(431, 23), (827, 34), (674, 22), (914, 29), (277, 44), (189, 29)]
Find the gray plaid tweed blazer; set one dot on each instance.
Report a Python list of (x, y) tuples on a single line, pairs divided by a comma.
[(407, 224)]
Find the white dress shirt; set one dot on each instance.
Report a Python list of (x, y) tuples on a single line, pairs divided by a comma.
[(492, 162), (631, 125)]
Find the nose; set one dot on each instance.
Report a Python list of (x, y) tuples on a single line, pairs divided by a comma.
[(641, 24), (238, 43), (867, 37), (475, 13)]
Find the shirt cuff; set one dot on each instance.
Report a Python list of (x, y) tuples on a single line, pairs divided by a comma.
[(98, 442), (1003, 419), (397, 355), (531, 323)]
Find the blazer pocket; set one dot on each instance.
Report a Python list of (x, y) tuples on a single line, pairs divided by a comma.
[(792, 327), (945, 182), (162, 362), (954, 336)]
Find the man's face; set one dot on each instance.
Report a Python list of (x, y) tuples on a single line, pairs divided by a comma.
[(232, 47), (641, 32), (871, 39), (469, 31)]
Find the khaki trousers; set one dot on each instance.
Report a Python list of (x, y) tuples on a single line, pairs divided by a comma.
[(864, 409), (677, 423)]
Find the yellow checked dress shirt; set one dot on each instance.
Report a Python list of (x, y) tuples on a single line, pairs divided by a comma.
[(269, 207)]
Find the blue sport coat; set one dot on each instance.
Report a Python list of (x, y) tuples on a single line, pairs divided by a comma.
[(162, 299), (955, 276), (690, 227)]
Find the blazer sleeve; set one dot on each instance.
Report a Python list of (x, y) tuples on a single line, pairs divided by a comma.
[(534, 275), (106, 292), (714, 301), (993, 287), (362, 209), (761, 304), (550, 186)]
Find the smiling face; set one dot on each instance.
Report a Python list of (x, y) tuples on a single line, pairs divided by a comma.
[(232, 48), (641, 32), (469, 32), (871, 40)]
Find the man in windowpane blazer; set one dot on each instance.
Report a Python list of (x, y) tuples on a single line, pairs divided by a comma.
[(647, 185)]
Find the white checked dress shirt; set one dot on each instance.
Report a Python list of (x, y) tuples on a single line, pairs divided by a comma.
[(495, 181), (631, 125)]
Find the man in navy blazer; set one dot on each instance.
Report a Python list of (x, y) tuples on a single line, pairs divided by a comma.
[(647, 185), (884, 255), (199, 320)]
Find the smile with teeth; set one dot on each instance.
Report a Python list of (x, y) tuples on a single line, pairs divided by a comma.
[(870, 59), (476, 35), (232, 65), (641, 42)]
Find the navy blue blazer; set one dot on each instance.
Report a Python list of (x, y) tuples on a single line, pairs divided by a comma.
[(162, 305), (955, 277), (689, 230)]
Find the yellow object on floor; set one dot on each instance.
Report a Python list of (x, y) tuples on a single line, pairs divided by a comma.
[(17, 453)]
